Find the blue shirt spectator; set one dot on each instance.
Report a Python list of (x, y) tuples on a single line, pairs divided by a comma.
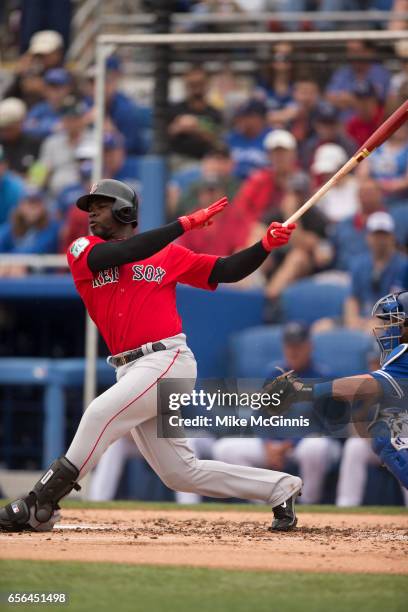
[(44, 117), (361, 67), (367, 285), (377, 273), (349, 236), (11, 188), (389, 166), (246, 139), (132, 120), (30, 229), (348, 239)]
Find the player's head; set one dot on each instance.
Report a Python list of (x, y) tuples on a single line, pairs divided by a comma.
[(297, 347), (392, 313), (112, 206)]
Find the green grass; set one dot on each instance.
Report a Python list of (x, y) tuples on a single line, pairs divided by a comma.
[(220, 507), (117, 588)]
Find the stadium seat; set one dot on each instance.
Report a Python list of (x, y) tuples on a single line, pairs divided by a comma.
[(309, 300), (343, 351), (253, 349)]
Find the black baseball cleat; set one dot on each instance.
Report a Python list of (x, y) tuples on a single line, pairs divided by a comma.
[(285, 518), (19, 515)]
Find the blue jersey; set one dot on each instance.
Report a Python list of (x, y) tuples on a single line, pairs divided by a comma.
[(390, 429), (393, 377)]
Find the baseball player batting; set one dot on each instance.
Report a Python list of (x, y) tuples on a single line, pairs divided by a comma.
[(128, 285)]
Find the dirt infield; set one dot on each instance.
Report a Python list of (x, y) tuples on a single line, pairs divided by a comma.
[(322, 543)]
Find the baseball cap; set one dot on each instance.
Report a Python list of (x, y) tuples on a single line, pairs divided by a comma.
[(57, 76), (364, 89), (45, 41), (328, 158), (295, 332), (113, 63), (73, 107), (279, 139), (86, 150), (251, 107), (11, 111), (380, 222), (327, 113)]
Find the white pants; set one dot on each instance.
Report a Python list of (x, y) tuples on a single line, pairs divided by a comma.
[(131, 406), (107, 474), (315, 456), (357, 456)]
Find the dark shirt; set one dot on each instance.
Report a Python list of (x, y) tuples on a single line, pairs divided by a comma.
[(192, 145), (21, 153)]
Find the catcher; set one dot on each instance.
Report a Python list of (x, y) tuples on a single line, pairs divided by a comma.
[(386, 388)]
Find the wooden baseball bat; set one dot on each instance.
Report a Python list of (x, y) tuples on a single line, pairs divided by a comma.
[(380, 135)]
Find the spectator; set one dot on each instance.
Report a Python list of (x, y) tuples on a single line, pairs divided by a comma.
[(132, 120), (45, 52), (400, 78), (216, 168), (115, 163), (246, 139), (29, 230), (275, 85), (84, 155), (11, 188), (309, 252), (302, 115), (314, 456), (368, 113), (388, 165), (57, 156), (342, 199), (264, 190), (348, 236), (361, 68), (20, 148), (373, 274), (47, 48), (45, 117), (327, 128), (194, 124)]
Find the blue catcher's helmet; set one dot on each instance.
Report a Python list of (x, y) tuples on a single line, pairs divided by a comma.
[(392, 310)]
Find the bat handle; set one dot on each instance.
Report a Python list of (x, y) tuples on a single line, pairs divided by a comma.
[(348, 167)]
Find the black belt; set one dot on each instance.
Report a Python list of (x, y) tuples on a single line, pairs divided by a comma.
[(129, 356)]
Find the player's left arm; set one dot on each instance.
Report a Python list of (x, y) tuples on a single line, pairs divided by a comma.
[(236, 267)]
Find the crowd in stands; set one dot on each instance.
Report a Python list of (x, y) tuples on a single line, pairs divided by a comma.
[(267, 142)]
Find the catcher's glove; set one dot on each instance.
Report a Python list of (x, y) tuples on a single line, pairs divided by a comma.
[(289, 388)]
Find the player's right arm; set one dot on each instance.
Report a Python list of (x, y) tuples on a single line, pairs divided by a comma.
[(116, 253)]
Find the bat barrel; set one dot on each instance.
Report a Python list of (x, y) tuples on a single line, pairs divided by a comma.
[(385, 130)]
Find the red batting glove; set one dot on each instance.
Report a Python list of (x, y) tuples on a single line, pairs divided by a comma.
[(202, 217), (277, 235)]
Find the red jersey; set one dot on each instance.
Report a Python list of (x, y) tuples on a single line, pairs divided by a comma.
[(136, 303)]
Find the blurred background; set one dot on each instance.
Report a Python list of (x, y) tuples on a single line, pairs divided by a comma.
[(266, 124)]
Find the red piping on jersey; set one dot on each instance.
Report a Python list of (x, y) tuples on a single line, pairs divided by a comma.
[(127, 406)]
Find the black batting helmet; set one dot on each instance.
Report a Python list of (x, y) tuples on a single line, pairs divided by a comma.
[(124, 200)]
